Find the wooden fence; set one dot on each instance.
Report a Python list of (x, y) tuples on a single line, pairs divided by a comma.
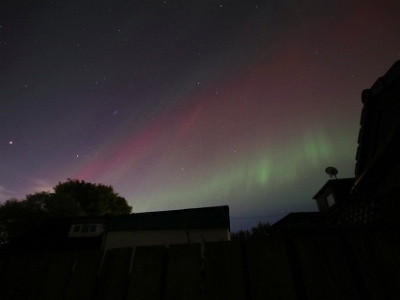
[(328, 266)]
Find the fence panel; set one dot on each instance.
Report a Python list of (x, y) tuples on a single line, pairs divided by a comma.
[(84, 275), (113, 281), (224, 278), (183, 272), (34, 274), (378, 264), (146, 280), (350, 266), (325, 269), (4, 259), (269, 270), (59, 272), (13, 275), (389, 249)]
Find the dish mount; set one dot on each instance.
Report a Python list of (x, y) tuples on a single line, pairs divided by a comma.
[(331, 171)]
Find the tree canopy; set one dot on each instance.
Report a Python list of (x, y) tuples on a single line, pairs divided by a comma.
[(257, 232), (69, 199)]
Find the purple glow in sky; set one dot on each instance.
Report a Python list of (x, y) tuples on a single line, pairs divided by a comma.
[(181, 104)]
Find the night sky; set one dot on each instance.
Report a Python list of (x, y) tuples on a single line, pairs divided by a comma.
[(181, 104)]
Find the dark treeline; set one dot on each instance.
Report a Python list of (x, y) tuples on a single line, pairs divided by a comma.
[(259, 231), (70, 199)]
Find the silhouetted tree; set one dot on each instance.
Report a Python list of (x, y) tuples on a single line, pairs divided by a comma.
[(17, 217), (259, 231), (91, 199), (71, 198)]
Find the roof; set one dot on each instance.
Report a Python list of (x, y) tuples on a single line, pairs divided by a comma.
[(298, 221), (341, 186), (53, 235), (193, 218)]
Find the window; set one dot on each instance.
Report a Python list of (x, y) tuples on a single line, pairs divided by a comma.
[(93, 228), (82, 230), (330, 200), (85, 228)]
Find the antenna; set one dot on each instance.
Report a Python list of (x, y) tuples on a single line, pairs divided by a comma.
[(331, 171)]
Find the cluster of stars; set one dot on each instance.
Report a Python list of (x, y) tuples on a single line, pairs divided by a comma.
[(145, 84)]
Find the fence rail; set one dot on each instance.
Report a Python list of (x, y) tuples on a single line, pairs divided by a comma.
[(329, 266)]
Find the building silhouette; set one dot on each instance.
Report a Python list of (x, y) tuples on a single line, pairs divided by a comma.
[(372, 197), (184, 226)]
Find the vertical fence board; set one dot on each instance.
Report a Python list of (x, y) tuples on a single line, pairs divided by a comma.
[(13, 275), (269, 270), (224, 278), (379, 264), (33, 276), (113, 281), (59, 272), (326, 273), (146, 280), (84, 275), (4, 259), (183, 272), (389, 250)]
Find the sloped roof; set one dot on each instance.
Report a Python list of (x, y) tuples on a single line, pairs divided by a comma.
[(298, 221), (342, 187), (193, 218)]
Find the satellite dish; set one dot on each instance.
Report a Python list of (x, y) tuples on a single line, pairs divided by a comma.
[(331, 171)]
